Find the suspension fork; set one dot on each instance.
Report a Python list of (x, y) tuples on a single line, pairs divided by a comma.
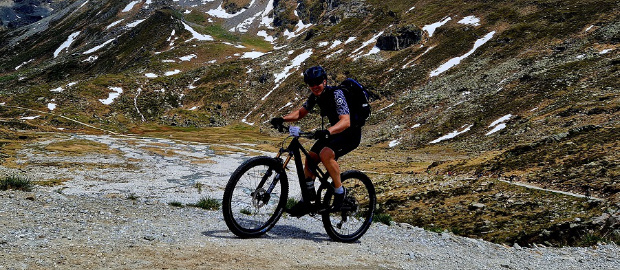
[(269, 172)]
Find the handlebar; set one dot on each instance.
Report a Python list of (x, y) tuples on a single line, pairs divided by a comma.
[(294, 131)]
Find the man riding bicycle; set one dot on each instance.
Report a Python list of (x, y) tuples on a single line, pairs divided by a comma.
[(337, 140)]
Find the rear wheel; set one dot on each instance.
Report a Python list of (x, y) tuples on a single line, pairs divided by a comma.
[(355, 218), (250, 210)]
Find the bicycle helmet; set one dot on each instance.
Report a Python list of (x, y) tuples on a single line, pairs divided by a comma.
[(314, 76)]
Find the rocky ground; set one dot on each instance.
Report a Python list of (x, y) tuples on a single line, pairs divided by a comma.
[(112, 210), (45, 229)]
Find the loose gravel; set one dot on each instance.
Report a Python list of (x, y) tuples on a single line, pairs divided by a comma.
[(85, 224)]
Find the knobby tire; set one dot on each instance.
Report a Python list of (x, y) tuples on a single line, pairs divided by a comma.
[(351, 224), (245, 210)]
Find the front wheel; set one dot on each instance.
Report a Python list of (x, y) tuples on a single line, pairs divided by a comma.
[(358, 208), (255, 197)]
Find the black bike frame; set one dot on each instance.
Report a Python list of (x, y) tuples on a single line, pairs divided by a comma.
[(293, 150)]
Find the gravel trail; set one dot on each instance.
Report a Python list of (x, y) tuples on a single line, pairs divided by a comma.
[(90, 223)]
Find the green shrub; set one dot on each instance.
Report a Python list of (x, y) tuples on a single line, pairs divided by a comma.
[(16, 183), (208, 203), (175, 204), (384, 218), (290, 203)]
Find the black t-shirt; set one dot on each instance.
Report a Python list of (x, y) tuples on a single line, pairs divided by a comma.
[(332, 104)]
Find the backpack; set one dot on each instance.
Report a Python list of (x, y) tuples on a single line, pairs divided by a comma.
[(357, 98)]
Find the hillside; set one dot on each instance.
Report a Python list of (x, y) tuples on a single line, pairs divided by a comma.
[(476, 103)]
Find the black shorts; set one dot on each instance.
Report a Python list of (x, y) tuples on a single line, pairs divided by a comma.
[(341, 143)]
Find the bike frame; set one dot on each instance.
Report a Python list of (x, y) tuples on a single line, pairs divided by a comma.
[(294, 150)]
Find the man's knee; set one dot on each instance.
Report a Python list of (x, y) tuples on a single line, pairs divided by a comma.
[(327, 154)]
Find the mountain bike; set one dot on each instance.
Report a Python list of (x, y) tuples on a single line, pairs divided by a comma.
[(257, 193)]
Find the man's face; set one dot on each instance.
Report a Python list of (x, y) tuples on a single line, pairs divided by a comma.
[(317, 89)]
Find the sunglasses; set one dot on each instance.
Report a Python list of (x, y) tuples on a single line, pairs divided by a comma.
[(314, 83)]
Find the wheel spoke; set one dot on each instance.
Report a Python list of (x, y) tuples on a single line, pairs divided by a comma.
[(355, 218), (249, 210)]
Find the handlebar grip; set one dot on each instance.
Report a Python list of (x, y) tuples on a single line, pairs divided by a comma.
[(280, 127)]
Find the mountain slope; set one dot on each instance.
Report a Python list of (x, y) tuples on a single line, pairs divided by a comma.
[(518, 90)]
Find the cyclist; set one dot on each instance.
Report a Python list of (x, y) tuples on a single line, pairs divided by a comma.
[(339, 139)]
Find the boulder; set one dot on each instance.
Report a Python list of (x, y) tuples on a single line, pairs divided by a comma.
[(400, 39)]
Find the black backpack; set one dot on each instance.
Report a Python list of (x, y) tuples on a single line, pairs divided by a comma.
[(357, 98)]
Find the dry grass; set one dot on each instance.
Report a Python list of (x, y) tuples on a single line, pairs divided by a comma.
[(80, 147)]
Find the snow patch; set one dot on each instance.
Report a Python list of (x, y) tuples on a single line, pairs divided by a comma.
[(113, 24), (453, 134), (188, 57), (23, 64), (96, 48), (455, 61), (496, 129), (265, 35), (335, 44), (368, 42), (219, 12), (297, 61), (113, 95), (252, 55), (66, 44), (173, 72), (432, 27), (394, 143), (196, 35), (470, 20), (130, 6), (134, 23), (57, 90), (499, 124)]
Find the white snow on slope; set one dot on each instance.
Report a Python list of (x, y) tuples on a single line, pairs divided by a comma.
[(432, 27), (113, 95), (113, 24), (394, 143), (83, 4), (219, 12), (57, 90), (368, 42), (23, 64), (196, 35), (243, 26), (453, 134), (265, 20), (252, 55), (499, 124), (455, 61), (288, 70), (96, 48), (134, 23), (66, 44), (130, 6), (335, 44), (300, 27), (188, 57), (173, 72), (470, 20), (265, 35)]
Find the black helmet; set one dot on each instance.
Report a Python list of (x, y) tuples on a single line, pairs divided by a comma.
[(314, 76)]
